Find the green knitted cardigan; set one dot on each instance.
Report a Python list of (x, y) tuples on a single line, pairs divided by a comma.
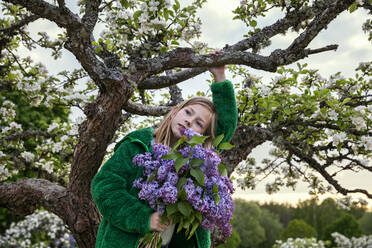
[(126, 218)]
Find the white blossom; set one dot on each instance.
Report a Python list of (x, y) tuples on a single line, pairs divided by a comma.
[(360, 109), (4, 173), (37, 100), (167, 4), (338, 138), (354, 88), (333, 115), (12, 127), (366, 142), (19, 234), (359, 123), (52, 126), (28, 156), (369, 108), (353, 242), (57, 147)]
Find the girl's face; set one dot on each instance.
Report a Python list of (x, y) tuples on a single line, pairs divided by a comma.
[(193, 116)]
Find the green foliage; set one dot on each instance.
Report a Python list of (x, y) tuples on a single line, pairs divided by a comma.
[(285, 212), (366, 223), (318, 215), (270, 222), (233, 241), (298, 229), (346, 225), (247, 223)]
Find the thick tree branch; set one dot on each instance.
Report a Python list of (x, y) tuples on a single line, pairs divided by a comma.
[(61, 3), (186, 58), (245, 139), (158, 82), (14, 27), (62, 17), (91, 14), (282, 25), (147, 110), (25, 195)]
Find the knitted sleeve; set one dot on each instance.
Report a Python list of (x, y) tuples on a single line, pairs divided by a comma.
[(225, 105), (110, 192)]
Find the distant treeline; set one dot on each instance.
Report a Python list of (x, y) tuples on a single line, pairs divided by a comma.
[(259, 225)]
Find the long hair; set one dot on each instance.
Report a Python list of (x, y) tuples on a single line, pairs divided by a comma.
[(163, 133)]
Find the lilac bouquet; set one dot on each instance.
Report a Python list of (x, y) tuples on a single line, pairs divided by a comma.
[(187, 184)]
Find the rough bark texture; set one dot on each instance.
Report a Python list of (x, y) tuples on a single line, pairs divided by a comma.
[(74, 203)]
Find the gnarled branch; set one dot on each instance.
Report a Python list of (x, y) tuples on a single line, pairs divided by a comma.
[(140, 109), (25, 195)]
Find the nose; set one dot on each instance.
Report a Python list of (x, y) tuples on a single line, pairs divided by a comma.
[(188, 123)]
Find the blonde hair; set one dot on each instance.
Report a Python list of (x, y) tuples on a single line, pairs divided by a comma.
[(163, 133)]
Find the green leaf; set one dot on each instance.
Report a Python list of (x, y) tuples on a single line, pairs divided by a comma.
[(193, 229), (253, 23), (222, 169), (179, 163), (171, 209), (196, 162), (176, 6), (215, 189), (353, 7), (147, 238), (218, 140), (225, 146), (198, 216), (163, 49), (180, 225), (151, 177), (216, 199), (181, 182), (172, 156), (346, 100), (198, 175), (185, 208), (179, 142), (182, 194), (137, 14), (196, 140)]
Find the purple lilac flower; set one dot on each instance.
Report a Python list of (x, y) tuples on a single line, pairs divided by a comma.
[(149, 190), (138, 183), (168, 193), (172, 178), (198, 152), (160, 190), (163, 172), (159, 150), (188, 132)]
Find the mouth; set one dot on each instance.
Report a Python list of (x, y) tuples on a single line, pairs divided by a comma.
[(181, 128)]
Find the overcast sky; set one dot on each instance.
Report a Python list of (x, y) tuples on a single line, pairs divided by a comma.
[(219, 29)]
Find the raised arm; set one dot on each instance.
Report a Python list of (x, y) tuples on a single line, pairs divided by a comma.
[(225, 105)]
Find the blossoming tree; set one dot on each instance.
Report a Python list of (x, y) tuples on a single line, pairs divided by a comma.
[(320, 127)]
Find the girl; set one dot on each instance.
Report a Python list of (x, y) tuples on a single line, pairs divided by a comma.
[(126, 218)]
